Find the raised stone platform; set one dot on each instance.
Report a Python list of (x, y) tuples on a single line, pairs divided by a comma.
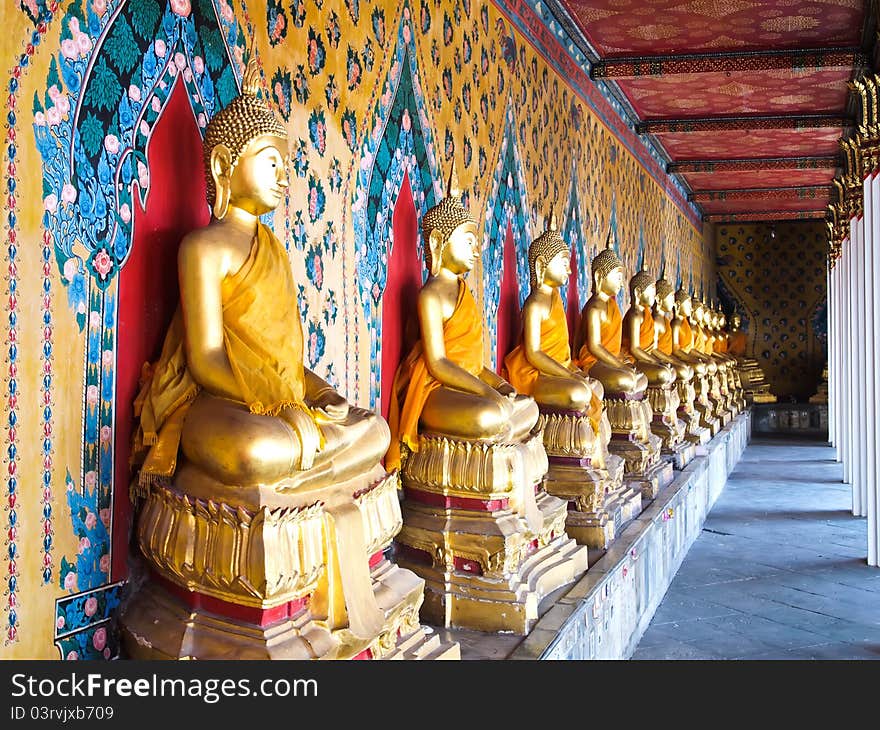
[(604, 614)]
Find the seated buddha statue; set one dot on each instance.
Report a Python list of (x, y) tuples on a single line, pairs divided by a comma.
[(751, 373), (576, 432), (471, 455), (628, 409), (662, 311), (601, 331), (252, 469), (540, 365), (443, 386), (683, 348), (638, 340)]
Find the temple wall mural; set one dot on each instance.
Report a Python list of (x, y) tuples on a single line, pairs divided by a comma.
[(778, 286), (105, 104)]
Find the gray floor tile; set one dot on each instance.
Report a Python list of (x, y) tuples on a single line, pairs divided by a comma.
[(779, 570)]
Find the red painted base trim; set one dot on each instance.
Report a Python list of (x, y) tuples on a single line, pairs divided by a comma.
[(248, 614), (439, 500)]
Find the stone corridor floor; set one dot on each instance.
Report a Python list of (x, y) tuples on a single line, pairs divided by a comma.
[(779, 571)]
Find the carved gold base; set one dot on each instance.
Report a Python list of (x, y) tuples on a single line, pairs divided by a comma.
[(652, 480), (162, 623), (578, 475), (681, 455), (488, 544), (665, 422)]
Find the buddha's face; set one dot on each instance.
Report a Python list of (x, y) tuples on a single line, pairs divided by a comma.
[(722, 321), (667, 302), (462, 249), (647, 296), (698, 313), (610, 284), (558, 269), (735, 321), (686, 307), (259, 178)]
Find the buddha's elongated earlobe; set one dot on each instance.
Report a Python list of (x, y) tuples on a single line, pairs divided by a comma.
[(221, 171), (435, 245)]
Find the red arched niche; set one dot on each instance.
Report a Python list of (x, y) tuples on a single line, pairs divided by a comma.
[(400, 324), (509, 319), (572, 304), (148, 291)]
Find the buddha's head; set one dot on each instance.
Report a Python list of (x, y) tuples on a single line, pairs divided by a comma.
[(735, 322), (450, 234), (683, 303), (245, 153), (699, 312), (549, 258), (722, 320), (607, 271), (665, 295), (642, 289)]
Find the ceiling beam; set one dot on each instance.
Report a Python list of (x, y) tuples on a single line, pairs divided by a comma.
[(726, 124), (779, 215), (806, 192), (754, 61), (828, 162)]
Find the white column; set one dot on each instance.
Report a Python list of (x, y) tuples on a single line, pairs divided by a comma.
[(829, 334), (839, 404), (869, 439), (860, 442), (852, 420), (873, 506)]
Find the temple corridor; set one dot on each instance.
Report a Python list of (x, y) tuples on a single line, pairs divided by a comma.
[(778, 571)]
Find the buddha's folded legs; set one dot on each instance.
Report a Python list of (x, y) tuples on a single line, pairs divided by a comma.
[(656, 374), (569, 394), (618, 380), (223, 439), (468, 416)]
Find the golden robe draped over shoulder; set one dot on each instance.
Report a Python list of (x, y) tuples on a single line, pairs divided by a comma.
[(263, 338), (463, 341), (721, 343), (685, 335), (664, 339), (521, 374), (737, 343), (646, 332), (612, 333)]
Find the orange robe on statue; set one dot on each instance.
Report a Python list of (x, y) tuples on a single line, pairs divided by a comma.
[(262, 335), (521, 374), (737, 343), (646, 332), (685, 335), (463, 341), (612, 334), (664, 340)]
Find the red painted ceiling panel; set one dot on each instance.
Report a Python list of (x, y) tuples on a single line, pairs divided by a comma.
[(747, 143), (653, 27), (740, 206), (779, 91), (744, 179)]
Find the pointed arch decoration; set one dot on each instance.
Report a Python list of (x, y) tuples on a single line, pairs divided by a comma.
[(399, 143), (107, 87), (507, 205)]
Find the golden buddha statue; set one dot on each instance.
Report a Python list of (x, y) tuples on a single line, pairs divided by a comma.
[(264, 500), (639, 345), (601, 334), (576, 430), (683, 348), (663, 312), (719, 347), (478, 525), (755, 387), (703, 343)]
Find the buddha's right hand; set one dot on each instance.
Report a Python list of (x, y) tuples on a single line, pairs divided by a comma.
[(307, 431)]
